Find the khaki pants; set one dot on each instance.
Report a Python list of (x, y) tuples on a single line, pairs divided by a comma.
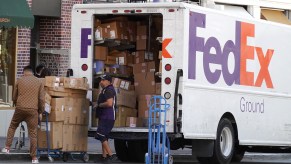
[(30, 116)]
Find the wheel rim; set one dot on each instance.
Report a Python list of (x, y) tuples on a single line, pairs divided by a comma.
[(226, 141)]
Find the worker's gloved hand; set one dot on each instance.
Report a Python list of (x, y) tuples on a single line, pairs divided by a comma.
[(94, 105)]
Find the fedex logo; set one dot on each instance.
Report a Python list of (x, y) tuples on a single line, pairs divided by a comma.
[(238, 47)]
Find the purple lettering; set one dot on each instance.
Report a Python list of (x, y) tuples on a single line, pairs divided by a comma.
[(209, 58), (85, 42), (195, 43), (213, 53)]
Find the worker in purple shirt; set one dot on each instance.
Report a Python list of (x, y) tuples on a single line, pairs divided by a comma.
[(105, 111)]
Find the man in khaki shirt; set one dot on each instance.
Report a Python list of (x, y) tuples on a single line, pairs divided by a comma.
[(28, 96)]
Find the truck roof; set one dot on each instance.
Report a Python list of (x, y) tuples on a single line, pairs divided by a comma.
[(130, 5)]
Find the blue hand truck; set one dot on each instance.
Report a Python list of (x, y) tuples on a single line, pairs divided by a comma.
[(51, 153), (158, 142)]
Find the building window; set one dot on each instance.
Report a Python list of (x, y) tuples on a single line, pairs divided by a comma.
[(7, 65)]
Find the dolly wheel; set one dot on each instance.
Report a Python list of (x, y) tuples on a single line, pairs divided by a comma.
[(85, 157), (65, 157)]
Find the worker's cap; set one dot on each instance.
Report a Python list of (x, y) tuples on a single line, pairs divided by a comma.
[(106, 77)]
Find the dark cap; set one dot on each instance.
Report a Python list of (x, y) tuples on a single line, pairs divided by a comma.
[(106, 77)]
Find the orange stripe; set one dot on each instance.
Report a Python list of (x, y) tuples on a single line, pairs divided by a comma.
[(165, 53)]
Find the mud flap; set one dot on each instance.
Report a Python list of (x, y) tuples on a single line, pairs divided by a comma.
[(202, 148)]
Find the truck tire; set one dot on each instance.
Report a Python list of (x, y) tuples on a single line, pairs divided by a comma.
[(121, 149), (238, 155), (224, 143), (223, 146)]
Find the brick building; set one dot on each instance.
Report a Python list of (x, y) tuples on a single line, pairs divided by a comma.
[(48, 42)]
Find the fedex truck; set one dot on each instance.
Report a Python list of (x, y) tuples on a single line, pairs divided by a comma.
[(226, 77)]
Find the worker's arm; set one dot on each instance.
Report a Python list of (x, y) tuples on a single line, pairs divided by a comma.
[(107, 103)]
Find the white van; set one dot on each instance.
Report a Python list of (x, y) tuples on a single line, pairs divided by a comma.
[(225, 77)]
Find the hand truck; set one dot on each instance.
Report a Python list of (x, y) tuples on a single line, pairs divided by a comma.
[(158, 142)]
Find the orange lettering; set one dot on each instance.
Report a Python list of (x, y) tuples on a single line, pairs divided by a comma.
[(247, 52), (264, 72)]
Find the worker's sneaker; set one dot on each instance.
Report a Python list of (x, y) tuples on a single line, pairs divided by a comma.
[(5, 150), (113, 157), (34, 161)]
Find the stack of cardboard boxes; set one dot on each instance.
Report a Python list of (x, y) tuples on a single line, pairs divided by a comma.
[(68, 114), (126, 101), (142, 64)]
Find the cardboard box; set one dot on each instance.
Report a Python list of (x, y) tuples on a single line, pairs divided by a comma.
[(52, 81), (158, 88), (101, 52), (141, 38), (126, 98), (151, 66), (141, 30), (68, 138), (140, 57), (111, 60), (124, 84), (121, 57), (132, 31), (54, 116), (113, 30), (58, 104), (77, 111), (139, 68), (143, 56), (55, 130), (75, 83), (144, 102), (66, 92), (75, 138), (131, 122), (141, 44), (145, 83), (121, 115), (130, 59), (120, 121), (125, 70)]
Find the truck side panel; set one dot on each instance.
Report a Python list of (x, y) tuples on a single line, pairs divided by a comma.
[(239, 67)]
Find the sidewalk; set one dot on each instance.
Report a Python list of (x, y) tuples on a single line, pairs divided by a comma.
[(94, 147)]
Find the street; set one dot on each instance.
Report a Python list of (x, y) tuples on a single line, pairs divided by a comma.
[(180, 156), (250, 158)]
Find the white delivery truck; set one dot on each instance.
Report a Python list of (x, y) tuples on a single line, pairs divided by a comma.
[(226, 77)]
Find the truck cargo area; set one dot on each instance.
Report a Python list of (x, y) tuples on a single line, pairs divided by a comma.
[(128, 47)]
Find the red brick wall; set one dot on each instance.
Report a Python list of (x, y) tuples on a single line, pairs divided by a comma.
[(23, 48), (55, 33)]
